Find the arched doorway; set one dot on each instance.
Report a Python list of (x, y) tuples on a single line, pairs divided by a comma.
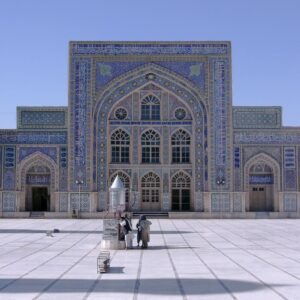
[(181, 192), (37, 171), (126, 181), (38, 180), (261, 184), (151, 192)]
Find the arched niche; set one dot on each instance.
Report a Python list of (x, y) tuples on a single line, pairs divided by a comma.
[(121, 87), (37, 181), (262, 183)]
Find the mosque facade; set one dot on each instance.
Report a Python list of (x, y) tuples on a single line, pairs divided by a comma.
[(160, 116)]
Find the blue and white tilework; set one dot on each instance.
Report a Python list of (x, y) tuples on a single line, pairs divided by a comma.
[(256, 117), (79, 116), (129, 85), (290, 202), (148, 48), (8, 201), (267, 138), (13, 137), (49, 151), (237, 202), (290, 177), (63, 202), (80, 201), (199, 201), (192, 76), (9, 173), (220, 202)]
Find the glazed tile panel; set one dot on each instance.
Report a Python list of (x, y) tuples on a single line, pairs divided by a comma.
[(256, 117)]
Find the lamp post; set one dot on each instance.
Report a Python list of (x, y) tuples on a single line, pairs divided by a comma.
[(220, 182), (79, 183), (131, 194)]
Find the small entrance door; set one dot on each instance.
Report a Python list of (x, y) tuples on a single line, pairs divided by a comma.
[(150, 200), (151, 192), (258, 199), (180, 199), (40, 199), (261, 184)]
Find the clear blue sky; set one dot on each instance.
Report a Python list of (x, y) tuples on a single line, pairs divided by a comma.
[(34, 36)]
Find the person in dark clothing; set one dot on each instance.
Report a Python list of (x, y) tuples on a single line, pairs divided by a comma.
[(127, 231), (139, 230)]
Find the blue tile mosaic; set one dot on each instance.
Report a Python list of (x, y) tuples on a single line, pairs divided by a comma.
[(140, 48), (26, 151), (32, 137)]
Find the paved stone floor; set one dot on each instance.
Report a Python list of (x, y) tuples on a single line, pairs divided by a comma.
[(187, 259)]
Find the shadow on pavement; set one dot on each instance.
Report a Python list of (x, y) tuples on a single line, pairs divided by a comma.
[(161, 247), (116, 270), (159, 286), (82, 231)]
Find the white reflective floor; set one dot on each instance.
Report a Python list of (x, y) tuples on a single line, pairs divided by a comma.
[(187, 259)]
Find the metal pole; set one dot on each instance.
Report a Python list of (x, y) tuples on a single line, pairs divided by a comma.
[(79, 183), (79, 207)]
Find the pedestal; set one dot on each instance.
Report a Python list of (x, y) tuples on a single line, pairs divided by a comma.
[(110, 238)]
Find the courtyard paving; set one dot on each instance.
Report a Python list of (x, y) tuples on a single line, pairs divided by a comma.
[(187, 259)]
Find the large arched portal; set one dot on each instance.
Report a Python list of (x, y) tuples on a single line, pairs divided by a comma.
[(150, 104)]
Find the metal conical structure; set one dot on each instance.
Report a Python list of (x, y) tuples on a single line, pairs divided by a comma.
[(117, 184)]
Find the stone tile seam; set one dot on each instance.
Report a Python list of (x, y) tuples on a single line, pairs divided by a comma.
[(20, 238), (236, 263), (205, 264), (265, 261), (32, 253), (66, 271), (72, 266), (16, 279), (263, 237), (178, 280), (96, 281), (138, 277)]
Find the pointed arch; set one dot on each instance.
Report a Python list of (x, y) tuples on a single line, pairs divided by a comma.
[(151, 194), (120, 146), (181, 191), (181, 179), (262, 158), (128, 83), (150, 108), (118, 129), (149, 72), (180, 143), (45, 198), (37, 159), (150, 144), (151, 177), (262, 183)]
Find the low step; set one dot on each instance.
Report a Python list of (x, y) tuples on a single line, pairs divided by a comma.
[(37, 214), (151, 214), (262, 215)]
